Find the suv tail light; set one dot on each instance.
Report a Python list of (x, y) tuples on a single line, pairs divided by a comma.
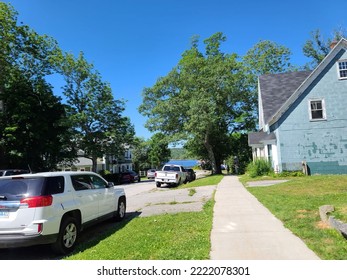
[(155, 174), (38, 201)]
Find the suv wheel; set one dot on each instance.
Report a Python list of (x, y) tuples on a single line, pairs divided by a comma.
[(67, 236), (121, 209)]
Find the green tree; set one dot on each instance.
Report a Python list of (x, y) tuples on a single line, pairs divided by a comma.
[(33, 130), (159, 151), (201, 100), (94, 113), (139, 150), (316, 48), (241, 151), (267, 57), (23, 48)]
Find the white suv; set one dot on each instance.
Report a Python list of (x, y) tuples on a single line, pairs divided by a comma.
[(54, 207)]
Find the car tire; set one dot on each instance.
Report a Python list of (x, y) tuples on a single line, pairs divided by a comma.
[(67, 236), (121, 209), (158, 184)]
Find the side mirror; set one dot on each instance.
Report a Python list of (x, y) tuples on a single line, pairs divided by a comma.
[(110, 185)]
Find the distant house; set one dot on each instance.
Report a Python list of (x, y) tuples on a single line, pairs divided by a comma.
[(109, 163), (118, 165), (83, 164), (303, 117)]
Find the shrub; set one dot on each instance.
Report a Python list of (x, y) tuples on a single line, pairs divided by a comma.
[(259, 167), (290, 174)]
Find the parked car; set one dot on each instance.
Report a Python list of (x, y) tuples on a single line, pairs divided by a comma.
[(10, 172), (191, 176), (171, 175), (54, 207), (130, 177), (135, 177), (151, 173)]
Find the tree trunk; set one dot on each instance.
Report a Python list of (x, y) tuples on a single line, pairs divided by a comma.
[(215, 168), (95, 163)]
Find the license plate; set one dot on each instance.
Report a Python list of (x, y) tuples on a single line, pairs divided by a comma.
[(4, 214)]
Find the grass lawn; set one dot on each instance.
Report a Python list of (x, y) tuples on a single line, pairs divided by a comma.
[(210, 180), (181, 236), (296, 203)]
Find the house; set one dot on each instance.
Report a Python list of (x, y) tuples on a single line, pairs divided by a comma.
[(83, 164), (108, 162), (118, 165), (303, 117)]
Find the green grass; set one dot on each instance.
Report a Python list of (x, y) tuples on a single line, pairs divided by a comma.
[(210, 180), (296, 203), (186, 236), (182, 236)]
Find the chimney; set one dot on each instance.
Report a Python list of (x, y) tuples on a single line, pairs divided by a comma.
[(333, 44)]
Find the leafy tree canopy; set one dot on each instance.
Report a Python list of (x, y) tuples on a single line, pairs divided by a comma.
[(94, 113), (201, 100), (316, 48), (33, 126)]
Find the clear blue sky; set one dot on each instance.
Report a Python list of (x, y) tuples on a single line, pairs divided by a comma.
[(134, 42)]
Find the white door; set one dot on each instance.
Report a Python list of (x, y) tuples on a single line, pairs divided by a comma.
[(86, 196), (107, 201)]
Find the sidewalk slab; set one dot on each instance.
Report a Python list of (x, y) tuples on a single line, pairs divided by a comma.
[(243, 229)]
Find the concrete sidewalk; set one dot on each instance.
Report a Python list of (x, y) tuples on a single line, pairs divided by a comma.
[(243, 229)]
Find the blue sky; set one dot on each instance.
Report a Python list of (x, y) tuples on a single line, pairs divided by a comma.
[(134, 42)]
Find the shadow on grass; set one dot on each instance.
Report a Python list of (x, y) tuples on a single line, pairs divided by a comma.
[(91, 236), (87, 239)]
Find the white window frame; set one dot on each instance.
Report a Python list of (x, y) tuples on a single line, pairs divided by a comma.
[(323, 109), (342, 69)]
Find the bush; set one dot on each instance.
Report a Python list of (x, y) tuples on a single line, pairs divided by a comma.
[(259, 167), (290, 174)]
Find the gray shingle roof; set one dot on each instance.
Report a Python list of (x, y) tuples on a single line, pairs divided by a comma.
[(275, 89), (259, 137)]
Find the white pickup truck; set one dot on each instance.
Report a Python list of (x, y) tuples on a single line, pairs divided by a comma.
[(172, 175)]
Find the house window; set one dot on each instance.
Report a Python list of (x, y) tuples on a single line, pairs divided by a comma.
[(342, 69), (317, 109)]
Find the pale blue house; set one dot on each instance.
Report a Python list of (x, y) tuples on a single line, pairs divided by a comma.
[(303, 117)]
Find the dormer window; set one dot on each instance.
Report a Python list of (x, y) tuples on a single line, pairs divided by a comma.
[(342, 69)]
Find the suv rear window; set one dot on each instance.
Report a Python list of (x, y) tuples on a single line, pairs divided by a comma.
[(15, 189)]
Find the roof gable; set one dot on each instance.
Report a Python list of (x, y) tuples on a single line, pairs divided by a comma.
[(275, 89), (277, 98)]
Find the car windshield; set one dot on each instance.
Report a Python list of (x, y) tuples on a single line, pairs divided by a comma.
[(15, 189)]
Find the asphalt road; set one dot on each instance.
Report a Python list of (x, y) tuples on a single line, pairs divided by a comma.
[(143, 199)]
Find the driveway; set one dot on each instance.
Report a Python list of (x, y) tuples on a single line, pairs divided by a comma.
[(145, 199)]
